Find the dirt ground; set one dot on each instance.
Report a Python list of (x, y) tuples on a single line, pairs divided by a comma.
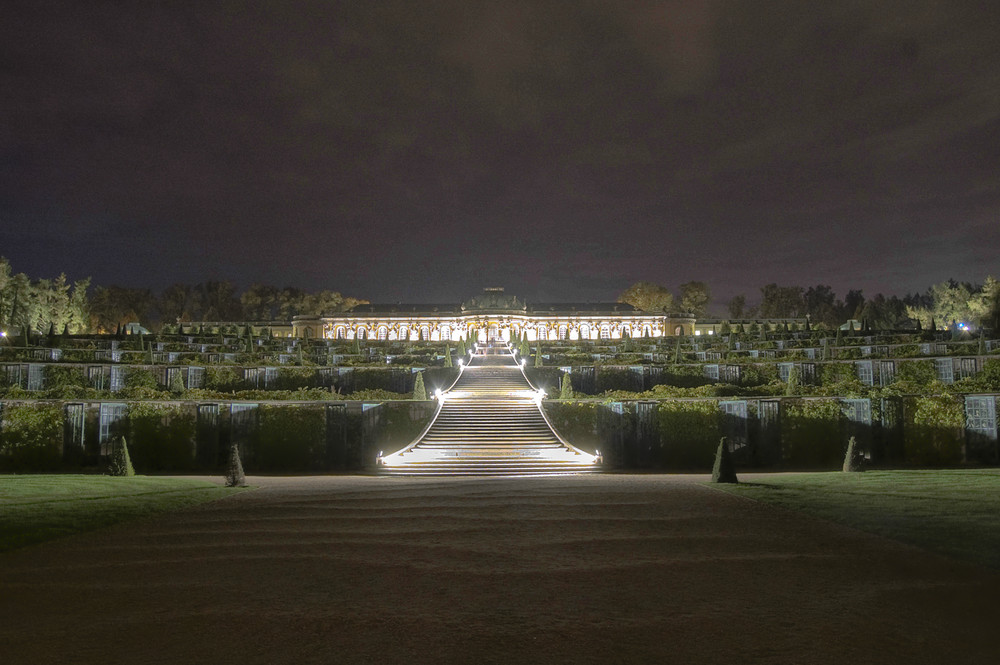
[(588, 569)]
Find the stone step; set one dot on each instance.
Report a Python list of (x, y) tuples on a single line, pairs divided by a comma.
[(489, 425)]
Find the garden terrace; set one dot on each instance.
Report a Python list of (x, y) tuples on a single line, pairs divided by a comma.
[(676, 434)]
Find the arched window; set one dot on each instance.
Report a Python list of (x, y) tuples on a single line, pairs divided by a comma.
[(362, 333), (678, 331), (563, 332), (445, 333), (383, 333), (584, 331), (605, 331)]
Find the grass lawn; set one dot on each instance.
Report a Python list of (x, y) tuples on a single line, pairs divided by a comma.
[(36, 508), (953, 511)]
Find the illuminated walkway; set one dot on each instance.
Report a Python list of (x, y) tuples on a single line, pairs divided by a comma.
[(490, 423)]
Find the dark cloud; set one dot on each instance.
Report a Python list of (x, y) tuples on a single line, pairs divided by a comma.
[(416, 151)]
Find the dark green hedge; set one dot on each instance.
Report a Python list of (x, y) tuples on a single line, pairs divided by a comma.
[(291, 438), (812, 433), (161, 437), (689, 433), (32, 437), (934, 430)]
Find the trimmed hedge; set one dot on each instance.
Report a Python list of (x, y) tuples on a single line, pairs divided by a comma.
[(32, 437), (812, 433), (161, 437), (291, 438), (689, 433), (934, 432)]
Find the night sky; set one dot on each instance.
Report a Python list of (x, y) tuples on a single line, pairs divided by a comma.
[(418, 151)]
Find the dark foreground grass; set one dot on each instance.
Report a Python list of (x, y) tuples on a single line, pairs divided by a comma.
[(36, 508), (952, 511)]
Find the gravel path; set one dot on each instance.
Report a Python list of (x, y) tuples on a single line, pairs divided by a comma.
[(588, 569)]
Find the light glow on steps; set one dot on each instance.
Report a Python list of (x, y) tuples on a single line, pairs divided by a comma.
[(490, 422)]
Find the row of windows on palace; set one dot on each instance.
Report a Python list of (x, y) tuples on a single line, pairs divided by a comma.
[(493, 332)]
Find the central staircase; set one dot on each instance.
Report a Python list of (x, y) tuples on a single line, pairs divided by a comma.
[(490, 422)]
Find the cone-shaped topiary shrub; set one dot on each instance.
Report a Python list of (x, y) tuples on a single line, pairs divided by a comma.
[(176, 382), (723, 471), (566, 389), (419, 392), (234, 472), (852, 458), (120, 463), (792, 387), (447, 356), (538, 356)]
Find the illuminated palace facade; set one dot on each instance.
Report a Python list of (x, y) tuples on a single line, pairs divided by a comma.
[(492, 316)]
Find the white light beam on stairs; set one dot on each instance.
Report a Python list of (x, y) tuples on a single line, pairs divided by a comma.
[(490, 422)]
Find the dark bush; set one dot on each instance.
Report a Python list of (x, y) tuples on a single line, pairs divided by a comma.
[(811, 433), (31, 438), (689, 432), (934, 430), (291, 438), (163, 437)]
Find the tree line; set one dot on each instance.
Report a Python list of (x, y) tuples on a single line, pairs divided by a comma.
[(41, 305), (942, 305)]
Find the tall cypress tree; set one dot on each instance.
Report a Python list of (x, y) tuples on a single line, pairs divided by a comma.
[(538, 355), (677, 351), (447, 356)]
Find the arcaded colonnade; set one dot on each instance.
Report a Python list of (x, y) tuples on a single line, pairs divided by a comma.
[(493, 316)]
